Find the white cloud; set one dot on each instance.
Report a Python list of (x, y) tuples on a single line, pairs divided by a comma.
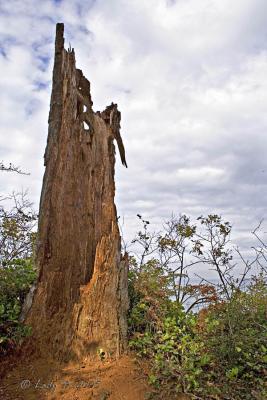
[(189, 78)]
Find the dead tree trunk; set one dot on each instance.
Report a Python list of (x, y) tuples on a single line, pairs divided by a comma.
[(81, 300)]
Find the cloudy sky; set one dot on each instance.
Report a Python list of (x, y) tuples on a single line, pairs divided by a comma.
[(190, 78)]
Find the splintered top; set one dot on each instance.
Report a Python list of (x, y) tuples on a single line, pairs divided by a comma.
[(110, 115), (60, 35)]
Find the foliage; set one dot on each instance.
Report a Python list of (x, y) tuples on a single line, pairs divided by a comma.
[(175, 351), (223, 355), (17, 272), (16, 279), (175, 250), (149, 296), (218, 352), (235, 333), (17, 225)]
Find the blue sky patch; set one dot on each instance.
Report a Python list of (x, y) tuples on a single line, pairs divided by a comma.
[(38, 85), (2, 52), (43, 62)]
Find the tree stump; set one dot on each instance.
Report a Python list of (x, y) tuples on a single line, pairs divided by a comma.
[(81, 297)]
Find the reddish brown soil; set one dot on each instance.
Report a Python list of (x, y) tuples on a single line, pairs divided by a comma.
[(123, 379)]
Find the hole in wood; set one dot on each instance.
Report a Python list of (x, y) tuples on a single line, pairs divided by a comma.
[(86, 127), (84, 108)]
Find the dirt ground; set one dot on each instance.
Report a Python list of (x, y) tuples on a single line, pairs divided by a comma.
[(123, 379)]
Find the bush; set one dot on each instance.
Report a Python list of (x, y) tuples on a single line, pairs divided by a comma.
[(218, 353), (16, 278), (149, 296), (163, 332), (235, 334), (17, 274)]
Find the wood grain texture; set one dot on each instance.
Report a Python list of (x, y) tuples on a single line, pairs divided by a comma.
[(81, 299)]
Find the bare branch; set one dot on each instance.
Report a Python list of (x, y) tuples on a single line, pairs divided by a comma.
[(12, 168), (198, 301)]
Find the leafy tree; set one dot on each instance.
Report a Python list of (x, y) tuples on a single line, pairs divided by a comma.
[(17, 271), (17, 234)]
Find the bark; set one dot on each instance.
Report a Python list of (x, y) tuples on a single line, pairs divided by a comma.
[(81, 298)]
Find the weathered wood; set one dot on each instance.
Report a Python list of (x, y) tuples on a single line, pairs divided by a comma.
[(81, 299)]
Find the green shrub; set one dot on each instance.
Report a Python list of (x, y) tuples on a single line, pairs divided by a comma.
[(162, 332), (16, 278), (219, 353), (236, 335), (149, 296)]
